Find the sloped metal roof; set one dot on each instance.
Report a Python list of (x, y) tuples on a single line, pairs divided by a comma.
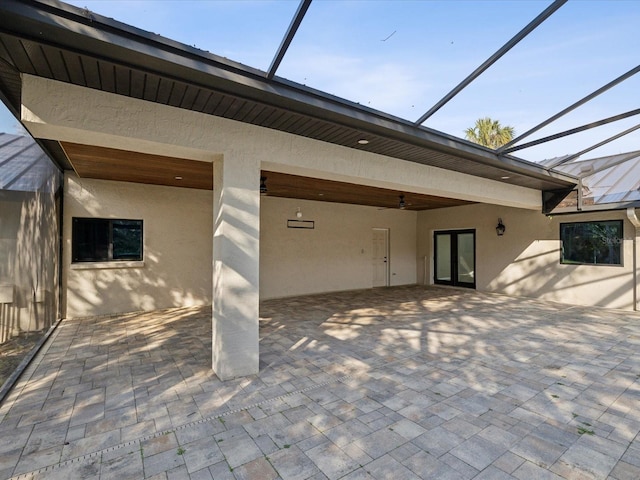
[(24, 166), (614, 179)]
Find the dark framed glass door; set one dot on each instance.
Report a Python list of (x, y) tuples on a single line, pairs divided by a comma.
[(455, 258)]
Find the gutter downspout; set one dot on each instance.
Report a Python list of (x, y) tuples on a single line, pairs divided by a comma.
[(580, 194), (633, 218)]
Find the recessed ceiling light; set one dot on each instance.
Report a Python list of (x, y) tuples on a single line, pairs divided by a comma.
[(505, 177), (321, 194), (363, 141), (178, 177)]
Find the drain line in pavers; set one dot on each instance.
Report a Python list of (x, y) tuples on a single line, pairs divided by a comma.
[(55, 466), (71, 461)]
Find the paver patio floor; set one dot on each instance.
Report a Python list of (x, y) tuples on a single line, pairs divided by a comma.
[(396, 383)]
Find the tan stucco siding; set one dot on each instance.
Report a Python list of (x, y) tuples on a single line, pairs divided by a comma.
[(336, 254), (526, 260), (177, 248)]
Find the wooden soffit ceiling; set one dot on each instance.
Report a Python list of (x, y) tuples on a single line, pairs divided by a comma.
[(307, 188), (90, 161)]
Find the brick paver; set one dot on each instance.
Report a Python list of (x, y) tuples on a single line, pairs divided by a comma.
[(395, 383)]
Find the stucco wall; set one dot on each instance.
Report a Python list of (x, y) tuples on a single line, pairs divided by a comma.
[(526, 260), (177, 248), (336, 254)]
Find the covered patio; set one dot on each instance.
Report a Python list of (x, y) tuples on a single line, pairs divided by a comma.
[(403, 382)]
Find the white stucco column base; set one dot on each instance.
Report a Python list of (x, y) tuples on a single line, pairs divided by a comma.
[(236, 261)]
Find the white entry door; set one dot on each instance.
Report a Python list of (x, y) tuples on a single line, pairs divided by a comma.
[(380, 257)]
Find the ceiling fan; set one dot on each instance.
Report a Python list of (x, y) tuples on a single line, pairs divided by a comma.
[(402, 204)]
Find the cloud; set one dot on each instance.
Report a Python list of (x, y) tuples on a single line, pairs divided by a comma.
[(388, 86)]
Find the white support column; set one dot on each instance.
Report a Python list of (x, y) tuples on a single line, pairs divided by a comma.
[(236, 265)]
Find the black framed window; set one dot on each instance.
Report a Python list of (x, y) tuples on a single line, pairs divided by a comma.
[(106, 240), (591, 243)]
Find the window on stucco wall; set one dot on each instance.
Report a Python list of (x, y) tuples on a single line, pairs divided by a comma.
[(591, 243), (106, 240)]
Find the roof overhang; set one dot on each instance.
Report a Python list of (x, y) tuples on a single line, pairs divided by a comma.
[(57, 41), (566, 202)]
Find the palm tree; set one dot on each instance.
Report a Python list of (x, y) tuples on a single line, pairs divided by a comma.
[(489, 133)]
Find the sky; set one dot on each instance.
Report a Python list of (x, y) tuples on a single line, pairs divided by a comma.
[(402, 56)]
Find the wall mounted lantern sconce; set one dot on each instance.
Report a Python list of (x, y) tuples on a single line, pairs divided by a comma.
[(298, 213), (263, 185), (402, 204), (500, 228)]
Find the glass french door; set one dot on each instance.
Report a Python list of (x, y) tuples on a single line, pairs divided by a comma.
[(455, 258)]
